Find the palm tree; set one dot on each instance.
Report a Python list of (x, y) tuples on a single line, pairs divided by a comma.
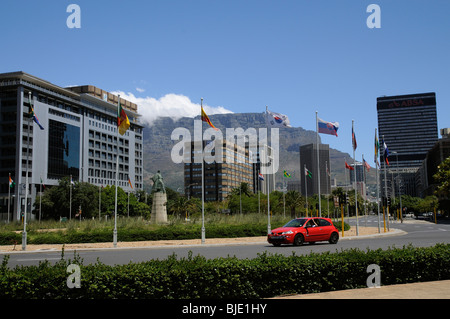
[(294, 199)]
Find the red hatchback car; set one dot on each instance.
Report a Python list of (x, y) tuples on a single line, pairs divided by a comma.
[(308, 229)]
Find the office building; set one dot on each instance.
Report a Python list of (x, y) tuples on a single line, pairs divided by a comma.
[(426, 185), (408, 124), (225, 168), (308, 157), (78, 139)]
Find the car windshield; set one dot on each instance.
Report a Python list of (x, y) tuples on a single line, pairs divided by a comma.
[(296, 222)]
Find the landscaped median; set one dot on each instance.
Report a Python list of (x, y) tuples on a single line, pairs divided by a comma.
[(198, 277), (96, 232)]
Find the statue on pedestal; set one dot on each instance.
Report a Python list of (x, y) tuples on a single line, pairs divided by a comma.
[(159, 209), (158, 184)]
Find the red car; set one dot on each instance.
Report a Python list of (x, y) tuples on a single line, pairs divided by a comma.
[(308, 229)]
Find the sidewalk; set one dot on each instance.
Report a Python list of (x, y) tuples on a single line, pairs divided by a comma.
[(419, 290)]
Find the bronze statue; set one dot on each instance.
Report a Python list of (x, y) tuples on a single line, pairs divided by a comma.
[(158, 184)]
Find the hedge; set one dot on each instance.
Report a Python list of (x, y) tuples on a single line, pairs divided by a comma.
[(174, 232), (198, 277)]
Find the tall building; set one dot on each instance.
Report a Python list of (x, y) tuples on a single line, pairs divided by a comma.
[(79, 138), (308, 157), (426, 185), (408, 124), (225, 169)]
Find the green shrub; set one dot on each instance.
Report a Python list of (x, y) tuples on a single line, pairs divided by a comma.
[(198, 277)]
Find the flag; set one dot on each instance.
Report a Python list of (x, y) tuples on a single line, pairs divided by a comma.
[(11, 182), (348, 166), (71, 180), (260, 176), (377, 149), (354, 139), (386, 152), (366, 165), (277, 119), (327, 127), (206, 119), (123, 123), (129, 182), (42, 183), (286, 174), (308, 173), (35, 119)]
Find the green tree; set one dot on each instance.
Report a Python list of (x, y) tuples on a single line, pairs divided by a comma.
[(442, 178), (294, 202)]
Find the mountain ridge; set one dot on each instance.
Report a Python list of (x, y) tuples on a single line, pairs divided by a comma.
[(158, 145)]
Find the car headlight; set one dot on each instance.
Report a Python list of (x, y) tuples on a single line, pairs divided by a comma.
[(287, 232)]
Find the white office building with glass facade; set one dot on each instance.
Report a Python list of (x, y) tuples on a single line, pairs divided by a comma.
[(78, 139)]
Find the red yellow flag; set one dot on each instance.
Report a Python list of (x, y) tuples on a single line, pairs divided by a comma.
[(206, 119), (123, 123)]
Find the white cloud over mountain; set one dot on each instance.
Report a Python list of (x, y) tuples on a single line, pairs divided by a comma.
[(170, 105)]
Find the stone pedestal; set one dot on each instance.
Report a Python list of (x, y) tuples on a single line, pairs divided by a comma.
[(159, 208)]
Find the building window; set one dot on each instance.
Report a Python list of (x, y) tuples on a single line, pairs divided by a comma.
[(63, 150)]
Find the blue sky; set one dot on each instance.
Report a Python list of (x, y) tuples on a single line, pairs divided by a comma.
[(296, 56)]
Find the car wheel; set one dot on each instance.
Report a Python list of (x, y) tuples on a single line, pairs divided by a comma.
[(334, 237), (298, 240)]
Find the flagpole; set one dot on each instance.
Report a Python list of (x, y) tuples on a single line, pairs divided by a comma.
[(269, 227), (318, 166), (24, 233), (70, 199), (364, 189), (385, 180), (117, 175), (356, 189), (306, 191), (284, 200), (346, 192), (328, 177), (203, 179), (99, 201), (378, 180), (9, 195), (40, 200)]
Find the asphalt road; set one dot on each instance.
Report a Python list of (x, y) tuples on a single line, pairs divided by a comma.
[(418, 234)]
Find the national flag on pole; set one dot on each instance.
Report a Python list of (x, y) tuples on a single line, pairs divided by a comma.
[(206, 119), (308, 173), (286, 174), (11, 182), (260, 176), (129, 182), (71, 180), (386, 152), (277, 119), (366, 165), (348, 166), (377, 149), (42, 183), (123, 123), (325, 127), (35, 119), (354, 139)]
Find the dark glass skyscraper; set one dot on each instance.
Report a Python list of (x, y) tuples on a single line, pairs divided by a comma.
[(408, 124)]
